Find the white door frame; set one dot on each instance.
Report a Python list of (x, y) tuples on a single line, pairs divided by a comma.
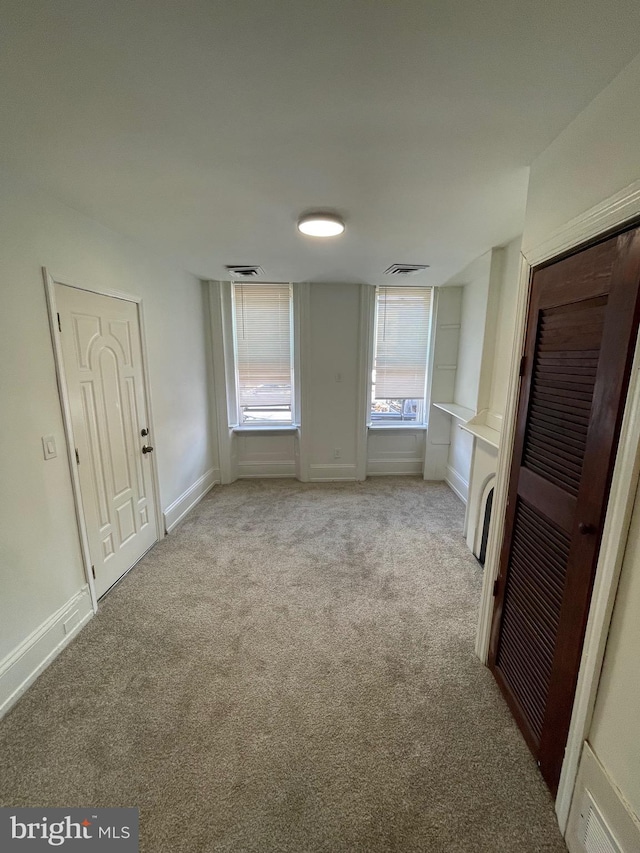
[(610, 215), (50, 282)]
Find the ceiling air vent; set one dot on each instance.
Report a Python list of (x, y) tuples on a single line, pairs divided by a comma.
[(244, 270), (406, 269)]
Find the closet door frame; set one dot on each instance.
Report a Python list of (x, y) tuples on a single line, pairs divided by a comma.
[(616, 214)]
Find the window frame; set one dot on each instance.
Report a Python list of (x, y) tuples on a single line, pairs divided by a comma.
[(391, 424), (234, 408)]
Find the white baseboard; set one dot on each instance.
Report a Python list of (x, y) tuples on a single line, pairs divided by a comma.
[(435, 461), (176, 511), (259, 470), (329, 473), (594, 787), (457, 484), (382, 467), (23, 665)]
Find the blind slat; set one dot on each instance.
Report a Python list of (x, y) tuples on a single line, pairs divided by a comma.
[(263, 344), (402, 341)]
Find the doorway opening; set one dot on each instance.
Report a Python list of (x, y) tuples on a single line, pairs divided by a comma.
[(98, 340)]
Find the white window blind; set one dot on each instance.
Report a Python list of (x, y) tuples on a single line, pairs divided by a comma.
[(263, 344), (402, 341)]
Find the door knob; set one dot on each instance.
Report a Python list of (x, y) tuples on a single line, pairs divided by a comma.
[(147, 449), (144, 432), (586, 529)]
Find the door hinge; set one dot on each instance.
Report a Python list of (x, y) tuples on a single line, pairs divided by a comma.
[(93, 572), (77, 457), (523, 362), (59, 323), (496, 586)]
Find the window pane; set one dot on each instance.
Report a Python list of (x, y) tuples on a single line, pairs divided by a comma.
[(402, 341), (255, 414), (398, 410), (262, 319), (402, 328)]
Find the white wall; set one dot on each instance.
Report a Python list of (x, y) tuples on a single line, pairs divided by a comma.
[(265, 455), (475, 281), (493, 381), (444, 356), (591, 160), (615, 730), (504, 330), (459, 460), (332, 322), (475, 295), (333, 355), (594, 158), (488, 287), (331, 381), (392, 451), (40, 563)]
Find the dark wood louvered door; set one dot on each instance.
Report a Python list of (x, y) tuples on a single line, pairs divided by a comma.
[(582, 325)]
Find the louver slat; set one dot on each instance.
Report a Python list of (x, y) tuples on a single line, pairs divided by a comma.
[(562, 386), (533, 599)]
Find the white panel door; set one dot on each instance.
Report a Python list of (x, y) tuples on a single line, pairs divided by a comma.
[(102, 357)]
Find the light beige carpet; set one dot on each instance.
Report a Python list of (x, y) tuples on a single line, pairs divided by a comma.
[(292, 670)]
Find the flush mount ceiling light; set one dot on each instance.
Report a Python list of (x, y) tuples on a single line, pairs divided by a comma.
[(321, 225)]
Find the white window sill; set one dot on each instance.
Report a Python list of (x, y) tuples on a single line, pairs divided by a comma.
[(405, 426), (265, 428)]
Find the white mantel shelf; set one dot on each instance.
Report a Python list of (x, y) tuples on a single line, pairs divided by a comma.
[(484, 433), (467, 418), (460, 413)]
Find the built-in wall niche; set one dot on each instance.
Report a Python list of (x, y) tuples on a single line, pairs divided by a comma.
[(444, 362), (463, 366)]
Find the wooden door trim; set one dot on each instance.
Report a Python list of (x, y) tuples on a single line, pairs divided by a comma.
[(50, 282), (614, 214)]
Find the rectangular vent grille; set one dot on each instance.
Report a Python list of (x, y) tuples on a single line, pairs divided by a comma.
[(532, 601), (245, 271), (405, 269), (562, 387), (596, 836)]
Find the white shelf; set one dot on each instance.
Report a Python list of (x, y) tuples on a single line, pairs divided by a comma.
[(484, 433), (460, 413)]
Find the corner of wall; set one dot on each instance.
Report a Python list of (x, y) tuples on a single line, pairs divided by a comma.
[(183, 504), (25, 663)]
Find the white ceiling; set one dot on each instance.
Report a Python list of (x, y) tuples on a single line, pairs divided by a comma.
[(205, 127)]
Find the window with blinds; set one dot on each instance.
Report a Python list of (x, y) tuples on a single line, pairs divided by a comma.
[(263, 349), (401, 348)]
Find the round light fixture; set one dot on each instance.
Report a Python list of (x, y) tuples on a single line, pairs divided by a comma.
[(321, 225)]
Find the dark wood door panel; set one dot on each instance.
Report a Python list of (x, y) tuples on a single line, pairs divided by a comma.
[(549, 498), (584, 275), (582, 325), (535, 585), (616, 355)]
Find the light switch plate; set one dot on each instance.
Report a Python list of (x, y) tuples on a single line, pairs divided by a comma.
[(49, 446)]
